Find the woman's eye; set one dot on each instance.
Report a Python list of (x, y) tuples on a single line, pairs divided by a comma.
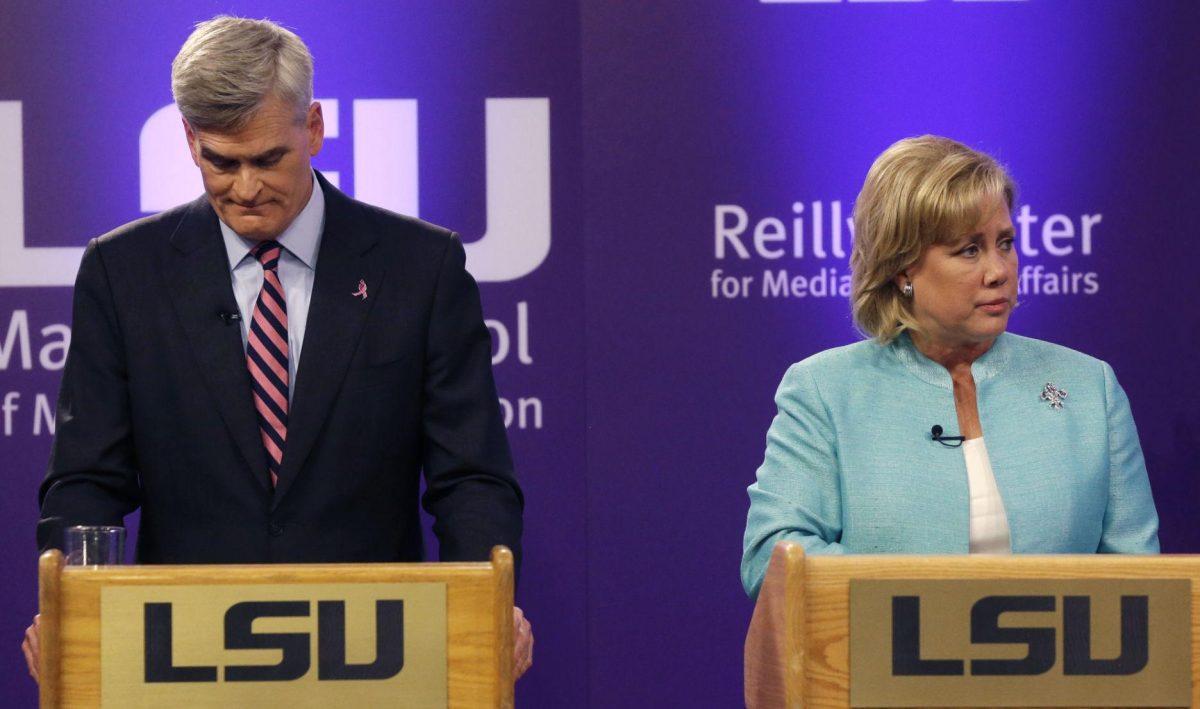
[(971, 250), (1006, 244)]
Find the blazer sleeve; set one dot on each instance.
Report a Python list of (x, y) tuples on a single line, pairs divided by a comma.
[(1130, 520), (92, 476), (797, 494), (471, 489)]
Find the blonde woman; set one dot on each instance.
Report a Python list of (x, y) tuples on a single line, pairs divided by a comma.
[(943, 433)]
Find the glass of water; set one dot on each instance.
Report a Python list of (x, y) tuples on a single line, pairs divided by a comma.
[(95, 546)]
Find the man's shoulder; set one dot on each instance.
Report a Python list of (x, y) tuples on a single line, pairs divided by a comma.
[(393, 230), (399, 224), (147, 233), (406, 230)]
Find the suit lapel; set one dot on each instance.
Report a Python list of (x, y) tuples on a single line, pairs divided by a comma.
[(336, 317), (201, 288)]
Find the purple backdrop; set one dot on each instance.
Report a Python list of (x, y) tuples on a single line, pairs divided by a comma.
[(640, 356), (689, 107)]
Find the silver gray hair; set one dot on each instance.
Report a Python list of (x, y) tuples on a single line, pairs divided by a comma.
[(230, 65)]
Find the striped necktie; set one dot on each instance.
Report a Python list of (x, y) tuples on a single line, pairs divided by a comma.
[(267, 357)]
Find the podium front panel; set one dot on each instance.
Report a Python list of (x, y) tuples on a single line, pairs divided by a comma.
[(253, 645), (278, 635), (965, 618)]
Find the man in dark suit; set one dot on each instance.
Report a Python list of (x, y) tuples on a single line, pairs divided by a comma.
[(266, 372)]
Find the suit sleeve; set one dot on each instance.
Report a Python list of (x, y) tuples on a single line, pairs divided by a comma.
[(797, 495), (471, 489), (92, 476), (1130, 520)]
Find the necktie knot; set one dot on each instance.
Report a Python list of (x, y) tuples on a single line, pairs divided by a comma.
[(267, 253)]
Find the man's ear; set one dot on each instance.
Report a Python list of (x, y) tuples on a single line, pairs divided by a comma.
[(314, 123), (191, 141)]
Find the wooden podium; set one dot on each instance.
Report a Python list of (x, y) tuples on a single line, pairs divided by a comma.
[(924, 627), (413, 635)]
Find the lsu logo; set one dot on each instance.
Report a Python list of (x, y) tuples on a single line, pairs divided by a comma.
[(1133, 631), (294, 648), (517, 157), (244, 645)]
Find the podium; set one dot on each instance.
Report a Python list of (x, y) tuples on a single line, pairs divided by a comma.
[(319, 635), (1063, 630)]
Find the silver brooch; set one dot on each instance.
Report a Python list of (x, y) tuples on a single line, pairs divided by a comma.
[(1054, 395)]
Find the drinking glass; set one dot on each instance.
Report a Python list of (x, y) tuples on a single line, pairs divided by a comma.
[(95, 546)]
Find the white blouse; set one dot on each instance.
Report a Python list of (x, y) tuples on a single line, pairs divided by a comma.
[(989, 524)]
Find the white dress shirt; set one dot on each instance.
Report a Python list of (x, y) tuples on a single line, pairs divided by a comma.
[(297, 269), (989, 523)]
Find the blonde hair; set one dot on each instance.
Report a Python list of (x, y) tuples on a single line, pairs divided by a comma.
[(229, 65), (919, 192)]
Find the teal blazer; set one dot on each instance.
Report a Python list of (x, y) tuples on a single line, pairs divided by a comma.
[(851, 467)]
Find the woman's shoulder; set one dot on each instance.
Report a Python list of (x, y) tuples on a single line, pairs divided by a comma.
[(1028, 352), (829, 371), (836, 359)]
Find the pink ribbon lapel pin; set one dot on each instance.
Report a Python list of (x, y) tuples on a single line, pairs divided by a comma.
[(362, 289)]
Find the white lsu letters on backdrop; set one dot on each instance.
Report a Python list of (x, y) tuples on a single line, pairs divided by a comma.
[(823, 231), (517, 240)]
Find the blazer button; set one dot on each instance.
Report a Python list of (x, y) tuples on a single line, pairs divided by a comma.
[(275, 529)]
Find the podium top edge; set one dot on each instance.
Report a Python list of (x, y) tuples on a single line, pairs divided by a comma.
[(218, 574), (1034, 565)]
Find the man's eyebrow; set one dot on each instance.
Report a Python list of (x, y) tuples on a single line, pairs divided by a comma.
[(272, 154), (213, 156)]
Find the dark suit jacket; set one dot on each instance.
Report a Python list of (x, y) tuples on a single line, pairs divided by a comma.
[(156, 412)]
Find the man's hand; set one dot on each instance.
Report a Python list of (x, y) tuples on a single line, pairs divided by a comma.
[(30, 645), (522, 644)]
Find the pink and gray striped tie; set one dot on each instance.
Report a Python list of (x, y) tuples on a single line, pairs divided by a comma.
[(267, 357)]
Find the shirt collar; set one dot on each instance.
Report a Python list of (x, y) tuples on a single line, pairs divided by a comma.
[(301, 238)]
